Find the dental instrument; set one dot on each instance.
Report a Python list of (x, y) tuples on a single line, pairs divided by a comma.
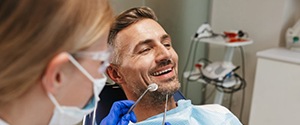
[(152, 87), (165, 113)]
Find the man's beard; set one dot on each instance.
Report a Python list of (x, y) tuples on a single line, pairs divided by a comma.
[(158, 97)]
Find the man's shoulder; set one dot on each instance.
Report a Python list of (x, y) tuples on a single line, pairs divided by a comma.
[(216, 112), (206, 107), (213, 108)]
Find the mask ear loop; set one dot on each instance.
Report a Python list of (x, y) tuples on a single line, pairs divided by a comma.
[(89, 77), (52, 98), (81, 68), (94, 114)]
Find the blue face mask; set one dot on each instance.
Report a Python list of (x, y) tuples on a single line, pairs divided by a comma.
[(90, 104), (70, 115)]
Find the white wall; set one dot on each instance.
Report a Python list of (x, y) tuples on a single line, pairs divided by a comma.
[(264, 20), (121, 5)]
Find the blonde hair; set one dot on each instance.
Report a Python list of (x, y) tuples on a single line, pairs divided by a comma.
[(32, 32)]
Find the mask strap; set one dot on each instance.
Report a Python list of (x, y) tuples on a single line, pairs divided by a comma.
[(52, 98), (89, 77), (94, 114), (81, 68)]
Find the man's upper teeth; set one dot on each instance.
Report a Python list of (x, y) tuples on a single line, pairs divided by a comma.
[(161, 72)]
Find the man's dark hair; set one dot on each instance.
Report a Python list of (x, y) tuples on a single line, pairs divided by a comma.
[(124, 20)]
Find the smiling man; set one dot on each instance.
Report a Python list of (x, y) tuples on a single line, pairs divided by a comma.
[(143, 54)]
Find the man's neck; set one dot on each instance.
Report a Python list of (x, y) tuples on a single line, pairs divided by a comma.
[(144, 111)]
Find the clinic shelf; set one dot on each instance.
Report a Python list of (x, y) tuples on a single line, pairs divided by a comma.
[(223, 42)]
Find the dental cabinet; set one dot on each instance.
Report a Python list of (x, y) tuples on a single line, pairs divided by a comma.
[(276, 92)]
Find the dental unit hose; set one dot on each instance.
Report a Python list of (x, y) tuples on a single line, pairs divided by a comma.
[(152, 87)]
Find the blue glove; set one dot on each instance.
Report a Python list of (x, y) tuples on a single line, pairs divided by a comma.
[(167, 123), (117, 114)]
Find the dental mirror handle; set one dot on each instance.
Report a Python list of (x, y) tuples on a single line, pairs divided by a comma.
[(131, 108), (151, 87)]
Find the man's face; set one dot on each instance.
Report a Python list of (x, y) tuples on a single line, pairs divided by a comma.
[(147, 56)]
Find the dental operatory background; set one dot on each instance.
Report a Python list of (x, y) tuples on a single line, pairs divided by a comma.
[(265, 67)]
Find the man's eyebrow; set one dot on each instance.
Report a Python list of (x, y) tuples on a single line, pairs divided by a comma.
[(165, 36), (147, 41), (143, 42)]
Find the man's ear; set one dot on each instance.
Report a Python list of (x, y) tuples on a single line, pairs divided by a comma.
[(113, 73), (53, 76)]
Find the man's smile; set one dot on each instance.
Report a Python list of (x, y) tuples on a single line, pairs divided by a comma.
[(158, 73), (164, 73)]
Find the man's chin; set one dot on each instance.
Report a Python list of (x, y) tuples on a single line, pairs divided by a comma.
[(168, 86), (169, 81), (169, 89), (159, 96)]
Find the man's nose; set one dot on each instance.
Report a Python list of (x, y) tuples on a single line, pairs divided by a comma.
[(162, 53)]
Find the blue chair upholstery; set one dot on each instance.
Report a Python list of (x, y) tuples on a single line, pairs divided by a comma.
[(108, 96)]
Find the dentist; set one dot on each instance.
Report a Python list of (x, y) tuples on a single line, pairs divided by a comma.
[(52, 57)]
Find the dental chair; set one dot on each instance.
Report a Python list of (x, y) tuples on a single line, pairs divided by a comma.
[(110, 94)]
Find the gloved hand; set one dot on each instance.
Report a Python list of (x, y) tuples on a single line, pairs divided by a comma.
[(167, 123), (117, 114)]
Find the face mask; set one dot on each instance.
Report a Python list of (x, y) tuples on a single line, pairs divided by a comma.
[(70, 115)]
